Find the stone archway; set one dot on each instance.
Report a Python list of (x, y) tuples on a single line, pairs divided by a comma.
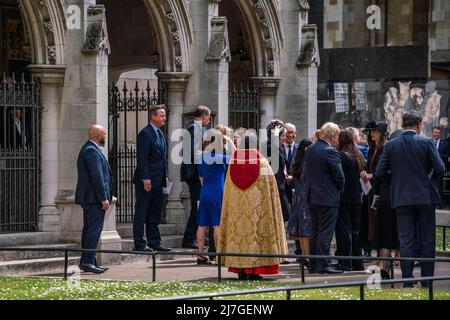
[(263, 25), (45, 23)]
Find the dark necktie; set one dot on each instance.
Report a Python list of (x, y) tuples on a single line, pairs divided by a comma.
[(161, 141), (289, 153)]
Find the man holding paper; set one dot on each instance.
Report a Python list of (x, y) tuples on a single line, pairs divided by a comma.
[(149, 179)]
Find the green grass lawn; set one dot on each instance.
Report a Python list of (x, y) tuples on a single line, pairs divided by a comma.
[(15, 288)]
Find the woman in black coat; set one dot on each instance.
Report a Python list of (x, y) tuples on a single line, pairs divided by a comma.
[(349, 216)]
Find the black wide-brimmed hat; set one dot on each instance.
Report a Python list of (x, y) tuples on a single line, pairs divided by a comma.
[(376, 125)]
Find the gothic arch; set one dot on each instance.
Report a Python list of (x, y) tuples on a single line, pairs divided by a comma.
[(173, 27), (45, 24), (263, 24)]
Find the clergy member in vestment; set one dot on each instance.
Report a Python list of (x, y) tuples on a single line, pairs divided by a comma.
[(252, 218)]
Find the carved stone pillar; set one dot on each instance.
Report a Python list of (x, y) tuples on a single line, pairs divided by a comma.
[(268, 88), (176, 83), (52, 79), (217, 59), (307, 73)]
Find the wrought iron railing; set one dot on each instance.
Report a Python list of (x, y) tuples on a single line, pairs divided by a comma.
[(20, 121), (128, 114), (244, 104)]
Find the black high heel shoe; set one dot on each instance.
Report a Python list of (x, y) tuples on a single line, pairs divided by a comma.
[(202, 260)]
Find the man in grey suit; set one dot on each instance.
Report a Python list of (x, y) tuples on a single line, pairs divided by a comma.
[(324, 182), (415, 168)]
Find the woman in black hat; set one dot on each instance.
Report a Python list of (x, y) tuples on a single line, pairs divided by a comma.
[(376, 138)]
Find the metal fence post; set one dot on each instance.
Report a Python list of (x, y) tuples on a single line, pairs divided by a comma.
[(430, 289), (154, 267), (302, 269), (391, 263), (444, 238), (219, 268), (66, 263), (288, 294), (361, 292)]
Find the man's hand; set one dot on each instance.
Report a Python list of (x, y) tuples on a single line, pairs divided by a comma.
[(289, 178), (105, 205), (147, 185)]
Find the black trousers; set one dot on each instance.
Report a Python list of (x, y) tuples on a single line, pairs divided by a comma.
[(323, 224), (190, 233), (347, 233), (147, 215), (93, 219), (417, 234)]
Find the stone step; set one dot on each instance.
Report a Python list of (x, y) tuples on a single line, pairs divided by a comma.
[(36, 265), (26, 255), (125, 230), (28, 238)]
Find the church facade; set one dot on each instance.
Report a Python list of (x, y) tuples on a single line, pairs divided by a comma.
[(62, 57)]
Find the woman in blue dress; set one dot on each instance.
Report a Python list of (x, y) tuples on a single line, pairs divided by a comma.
[(299, 226), (212, 171)]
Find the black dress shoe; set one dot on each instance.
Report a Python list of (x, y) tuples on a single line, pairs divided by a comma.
[(330, 270), (242, 276), (146, 248), (254, 277), (103, 267), (91, 268), (161, 249)]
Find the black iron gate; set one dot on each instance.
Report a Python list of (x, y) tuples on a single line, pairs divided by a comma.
[(244, 107), (128, 114), (20, 115)]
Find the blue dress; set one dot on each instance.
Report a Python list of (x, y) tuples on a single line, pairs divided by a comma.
[(212, 189), (300, 219)]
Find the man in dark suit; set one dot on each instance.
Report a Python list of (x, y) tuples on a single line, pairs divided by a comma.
[(274, 131), (189, 170), (324, 182), (18, 131), (149, 179), (94, 194), (290, 150), (443, 149), (415, 167)]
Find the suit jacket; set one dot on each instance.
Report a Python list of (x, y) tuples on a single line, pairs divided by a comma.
[(415, 167), (324, 176), (289, 164), (189, 169), (151, 159), (14, 138), (95, 182), (282, 164), (444, 151), (352, 191)]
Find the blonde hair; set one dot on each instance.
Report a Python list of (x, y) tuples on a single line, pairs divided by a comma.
[(226, 131), (329, 130)]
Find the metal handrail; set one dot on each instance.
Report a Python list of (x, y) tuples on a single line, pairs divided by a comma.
[(288, 290), (219, 256)]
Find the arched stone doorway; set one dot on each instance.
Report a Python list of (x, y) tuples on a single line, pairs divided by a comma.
[(30, 62), (149, 64), (256, 39)]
